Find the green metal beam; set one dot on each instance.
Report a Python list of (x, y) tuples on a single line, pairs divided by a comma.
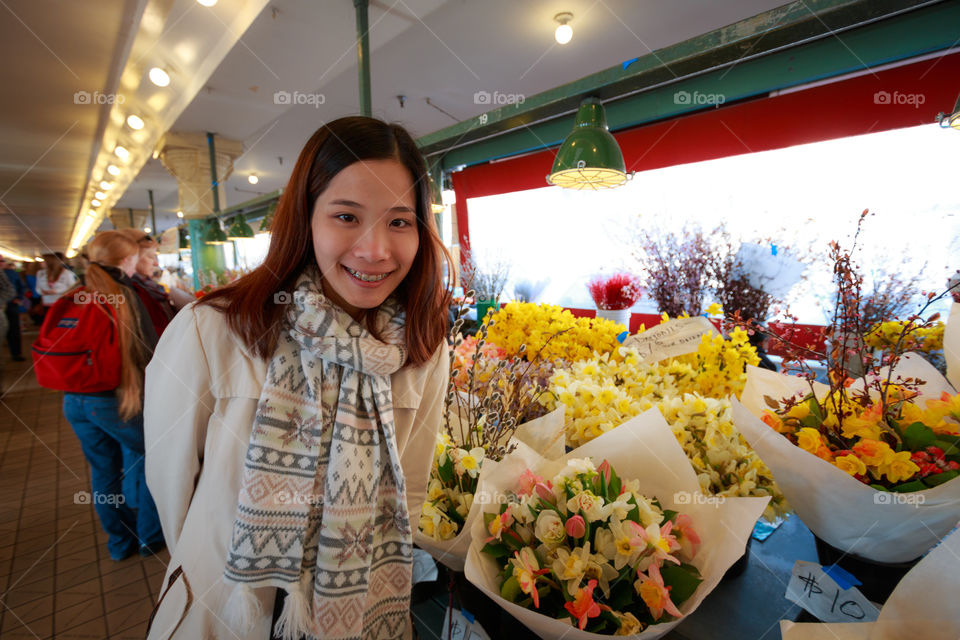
[(745, 59), (363, 54)]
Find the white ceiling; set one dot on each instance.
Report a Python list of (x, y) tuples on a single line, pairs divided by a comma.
[(444, 50)]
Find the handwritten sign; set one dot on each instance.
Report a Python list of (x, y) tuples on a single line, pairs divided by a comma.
[(460, 625), (818, 593), (670, 339)]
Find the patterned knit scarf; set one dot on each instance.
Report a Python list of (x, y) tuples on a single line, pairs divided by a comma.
[(322, 509)]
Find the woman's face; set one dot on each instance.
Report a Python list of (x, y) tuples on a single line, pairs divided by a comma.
[(365, 233), (129, 264), (147, 262)]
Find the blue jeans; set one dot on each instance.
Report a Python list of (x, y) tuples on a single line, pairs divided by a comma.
[(103, 437)]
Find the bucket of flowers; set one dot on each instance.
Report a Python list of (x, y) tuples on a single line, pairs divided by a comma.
[(614, 295)]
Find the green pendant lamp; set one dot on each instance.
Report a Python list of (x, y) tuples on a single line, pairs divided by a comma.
[(590, 157), (436, 198), (215, 234), (184, 239), (950, 120), (239, 230), (267, 221)]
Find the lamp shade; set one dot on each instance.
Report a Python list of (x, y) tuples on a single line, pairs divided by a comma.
[(436, 201), (239, 230), (954, 118), (184, 239), (590, 157), (215, 234)]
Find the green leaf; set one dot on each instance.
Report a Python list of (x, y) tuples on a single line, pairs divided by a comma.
[(909, 487), (940, 478), (496, 550), (918, 436), (683, 581), (510, 589), (811, 421), (815, 409)]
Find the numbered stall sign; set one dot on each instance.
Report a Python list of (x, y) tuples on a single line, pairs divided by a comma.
[(817, 592)]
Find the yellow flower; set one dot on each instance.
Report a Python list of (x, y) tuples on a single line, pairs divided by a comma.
[(809, 440), (873, 452), (899, 467), (715, 309), (851, 464)]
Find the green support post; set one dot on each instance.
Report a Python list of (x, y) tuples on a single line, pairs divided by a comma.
[(363, 55)]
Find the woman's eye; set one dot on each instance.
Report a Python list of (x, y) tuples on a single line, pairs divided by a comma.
[(401, 223), (346, 217)]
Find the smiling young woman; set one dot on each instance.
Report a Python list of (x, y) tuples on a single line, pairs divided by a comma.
[(288, 452)]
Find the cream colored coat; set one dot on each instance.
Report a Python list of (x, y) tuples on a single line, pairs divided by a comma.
[(202, 388)]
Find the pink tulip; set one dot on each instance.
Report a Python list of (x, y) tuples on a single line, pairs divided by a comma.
[(576, 526), (604, 470), (545, 492)]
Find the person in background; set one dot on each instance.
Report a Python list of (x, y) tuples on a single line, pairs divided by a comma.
[(107, 421), (12, 310), (33, 303), (7, 292), (152, 294), (54, 279)]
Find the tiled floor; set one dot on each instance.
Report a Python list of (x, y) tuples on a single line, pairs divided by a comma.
[(56, 578)]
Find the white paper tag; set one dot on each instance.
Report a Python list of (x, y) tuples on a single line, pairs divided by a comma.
[(670, 339), (820, 595), (462, 627)]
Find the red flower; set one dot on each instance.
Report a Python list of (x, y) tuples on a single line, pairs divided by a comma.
[(583, 607), (619, 291)]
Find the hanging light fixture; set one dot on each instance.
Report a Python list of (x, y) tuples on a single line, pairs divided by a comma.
[(590, 157), (267, 221), (184, 239), (950, 120), (215, 234), (239, 230), (564, 32)]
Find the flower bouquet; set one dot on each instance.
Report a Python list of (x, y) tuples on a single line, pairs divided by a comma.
[(951, 343), (615, 295), (601, 393), (491, 404), (870, 461), (629, 546), (904, 615)]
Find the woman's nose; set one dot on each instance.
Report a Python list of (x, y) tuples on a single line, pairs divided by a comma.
[(373, 245)]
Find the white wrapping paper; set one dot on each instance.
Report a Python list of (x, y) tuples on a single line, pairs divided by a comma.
[(646, 449), (543, 434), (951, 345), (922, 606), (851, 516)]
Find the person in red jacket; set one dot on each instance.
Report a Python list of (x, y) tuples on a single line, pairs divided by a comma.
[(160, 305)]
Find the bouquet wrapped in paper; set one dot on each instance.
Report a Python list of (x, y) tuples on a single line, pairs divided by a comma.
[(613, 538), (491, 404), (923, 605), (689, 389)]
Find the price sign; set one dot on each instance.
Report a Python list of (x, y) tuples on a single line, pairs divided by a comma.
[(814, 590), (670, 339), (460, 625)]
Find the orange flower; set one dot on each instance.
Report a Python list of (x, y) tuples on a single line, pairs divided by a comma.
[(583, 607), (655, 594)]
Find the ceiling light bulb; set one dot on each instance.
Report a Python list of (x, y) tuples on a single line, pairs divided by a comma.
[(180, 214), (146, 229), (106, 186), (113, 170), (95, 203), (253, 179), (159, 77), (122, 153), (135, 122), (564, 32), (207, 3), (99, 195)]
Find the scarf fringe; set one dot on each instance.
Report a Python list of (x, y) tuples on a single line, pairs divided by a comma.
[(242, 609), (295, 619)]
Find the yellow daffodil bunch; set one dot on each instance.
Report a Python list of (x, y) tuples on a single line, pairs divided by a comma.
[(885, 336), (551, 331), (453, 482), (900, 444), (601, 393)]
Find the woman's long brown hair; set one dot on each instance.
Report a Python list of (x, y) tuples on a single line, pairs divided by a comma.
[(253, 309), (111, 248)]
